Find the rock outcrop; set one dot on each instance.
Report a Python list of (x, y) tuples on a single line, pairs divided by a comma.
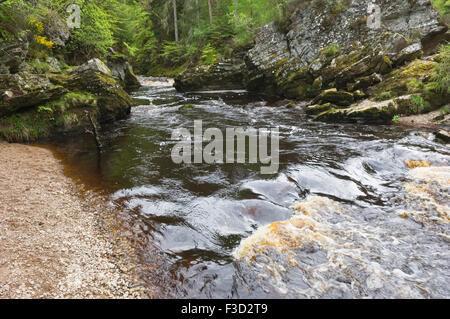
[(227, 74), (336, 52), (12, 55), (36, 106), (122, 71), (341, 44)]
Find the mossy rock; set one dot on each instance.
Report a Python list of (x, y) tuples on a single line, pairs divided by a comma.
[(367, 111), (139, 101), (319, 108), (42, 108), (187, 107), (47, 121), (334, 96), (406, 80)]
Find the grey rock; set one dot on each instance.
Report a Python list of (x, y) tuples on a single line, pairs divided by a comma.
[(409, 53), (12, 56), (93, 65), (56, 30), (338, 46), (122, 71)]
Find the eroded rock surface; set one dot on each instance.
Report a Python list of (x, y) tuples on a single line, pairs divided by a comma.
[(339, 52), (36, 106)]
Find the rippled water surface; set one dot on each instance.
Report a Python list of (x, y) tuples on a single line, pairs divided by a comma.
[(344, 217)]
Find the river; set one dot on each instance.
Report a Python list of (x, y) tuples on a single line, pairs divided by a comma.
[(343, 218)]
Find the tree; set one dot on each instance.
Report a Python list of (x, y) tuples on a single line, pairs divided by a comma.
[(210, 14), (198, 13), (175, 21)]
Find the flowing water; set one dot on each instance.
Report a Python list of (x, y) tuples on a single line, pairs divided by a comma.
[(343, 218)]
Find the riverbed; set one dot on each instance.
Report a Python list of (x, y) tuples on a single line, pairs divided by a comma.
[(345, 216)]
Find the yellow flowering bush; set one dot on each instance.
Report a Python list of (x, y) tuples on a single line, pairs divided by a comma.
[(43, 41), (37, 25)]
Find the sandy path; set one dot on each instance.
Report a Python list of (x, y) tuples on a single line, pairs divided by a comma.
[(53, 243)]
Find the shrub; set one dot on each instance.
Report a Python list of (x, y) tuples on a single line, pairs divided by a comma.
[(441, 77), (209, 55), (95, 36), (332, 50)]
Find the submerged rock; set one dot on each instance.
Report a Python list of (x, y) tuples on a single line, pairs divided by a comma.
[(427, 197), (326, 250)]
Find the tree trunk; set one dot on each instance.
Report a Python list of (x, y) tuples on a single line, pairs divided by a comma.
[(198, 13), (175, 21), (210, 14), (235, 8)]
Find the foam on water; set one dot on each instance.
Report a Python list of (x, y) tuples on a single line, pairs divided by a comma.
[(337, 255)]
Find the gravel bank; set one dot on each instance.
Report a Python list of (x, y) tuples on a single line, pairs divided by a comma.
[(55, 241)]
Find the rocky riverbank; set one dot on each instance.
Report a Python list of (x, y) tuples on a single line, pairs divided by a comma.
[(55, 243), (351, 64)]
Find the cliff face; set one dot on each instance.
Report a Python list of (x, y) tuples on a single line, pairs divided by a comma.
[(338, 53), (332, 45)]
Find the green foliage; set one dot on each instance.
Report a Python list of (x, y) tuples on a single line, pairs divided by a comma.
[(419, 105), (174, 52), (441, 77), (13, 19), (95, 35), (209, 55), (396, 119), (443, 6), (332, 50), (415, 85), (384, 96), (445, 110)]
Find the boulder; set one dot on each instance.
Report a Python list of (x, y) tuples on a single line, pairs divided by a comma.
[(409, 53), (365, 82), (96, 78), (35, 106), (224, 75), (319, 108), (369, 111), (25, 91), (94, 65), (37, 97), (122, 71), (342, 98)]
